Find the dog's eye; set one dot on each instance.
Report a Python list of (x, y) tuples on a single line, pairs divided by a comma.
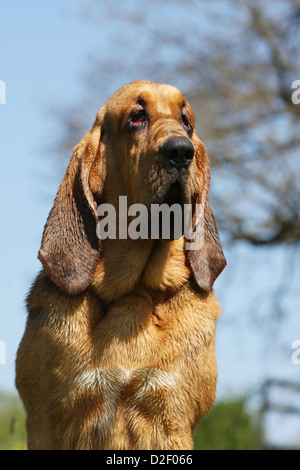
[(185, 123), (138, 119)]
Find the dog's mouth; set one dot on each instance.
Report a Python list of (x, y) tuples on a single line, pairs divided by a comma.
[(179, 189), (168, 222), (175, 194), (171, 199)]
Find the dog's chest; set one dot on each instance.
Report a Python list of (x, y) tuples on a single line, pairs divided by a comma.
[(116, 381), (133, 366), (137, 356), (121, 391)]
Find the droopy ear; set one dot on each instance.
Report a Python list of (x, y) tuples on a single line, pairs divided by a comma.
[(205, 254), (70, 247)]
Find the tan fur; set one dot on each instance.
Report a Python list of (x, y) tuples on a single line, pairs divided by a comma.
[(118, 351)]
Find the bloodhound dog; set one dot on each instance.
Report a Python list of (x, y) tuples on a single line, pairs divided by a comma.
[(119, 346)]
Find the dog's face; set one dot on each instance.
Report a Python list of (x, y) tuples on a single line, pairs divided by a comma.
[(154, 154), (142, 146)]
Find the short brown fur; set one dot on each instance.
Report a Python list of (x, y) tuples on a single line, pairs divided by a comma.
[(118, 351)]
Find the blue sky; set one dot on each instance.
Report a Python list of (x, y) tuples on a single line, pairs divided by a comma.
[(44, 53)]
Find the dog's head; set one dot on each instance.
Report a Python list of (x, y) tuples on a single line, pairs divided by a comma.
[(142, 146)]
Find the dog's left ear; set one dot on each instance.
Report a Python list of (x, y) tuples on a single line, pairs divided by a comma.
[(70, 247), (205, 254)]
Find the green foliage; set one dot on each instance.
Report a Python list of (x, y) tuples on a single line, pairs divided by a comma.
[(12, 423), (229, 426)]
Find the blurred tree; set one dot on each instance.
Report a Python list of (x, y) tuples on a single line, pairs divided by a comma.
[(229, 426)]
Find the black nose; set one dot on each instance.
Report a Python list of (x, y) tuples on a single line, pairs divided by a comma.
[(178, 152)]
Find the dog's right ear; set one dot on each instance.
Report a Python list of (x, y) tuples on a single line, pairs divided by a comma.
[(70, 246), (206, 259)]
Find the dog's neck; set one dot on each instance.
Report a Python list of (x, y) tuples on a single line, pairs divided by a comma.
[(140, 265)]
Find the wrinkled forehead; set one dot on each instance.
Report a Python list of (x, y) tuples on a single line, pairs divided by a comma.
[(162, 98)]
